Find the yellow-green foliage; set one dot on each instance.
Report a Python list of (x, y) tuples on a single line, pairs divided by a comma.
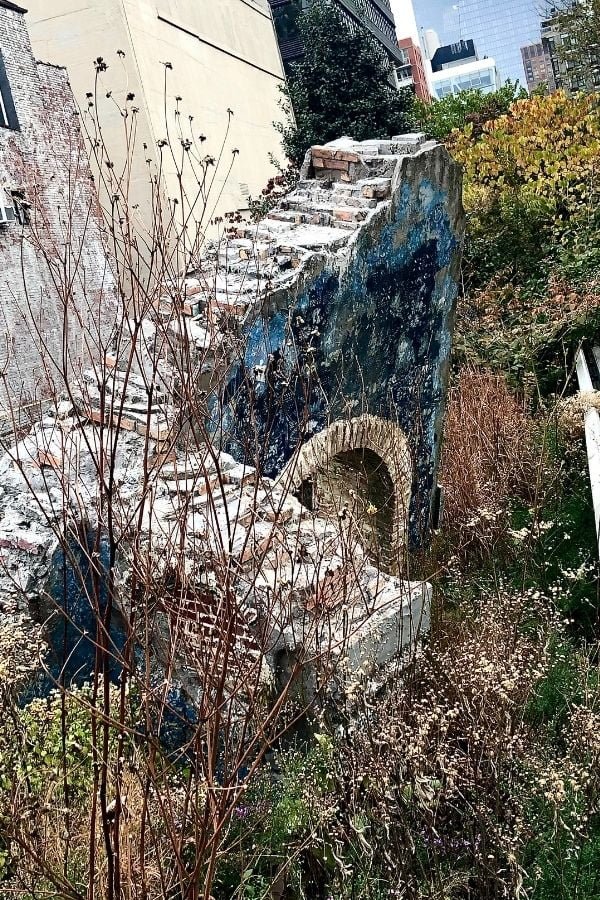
[(531, 192), (545, 147)]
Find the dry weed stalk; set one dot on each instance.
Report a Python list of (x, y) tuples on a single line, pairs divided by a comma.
[(489, 457), (439, 765), (167, 550)]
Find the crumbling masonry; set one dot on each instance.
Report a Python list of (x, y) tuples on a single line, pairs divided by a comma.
[(352, 282), (321, 338)]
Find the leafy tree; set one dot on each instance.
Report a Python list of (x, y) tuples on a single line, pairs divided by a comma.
[(544, 147), (441, 117), (342, 86), (578, 47), (531, 193)]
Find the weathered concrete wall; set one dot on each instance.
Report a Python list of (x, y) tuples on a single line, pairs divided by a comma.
[(53, 302), (363, 325)]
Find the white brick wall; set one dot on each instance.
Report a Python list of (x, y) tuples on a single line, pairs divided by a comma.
[(57, 294)]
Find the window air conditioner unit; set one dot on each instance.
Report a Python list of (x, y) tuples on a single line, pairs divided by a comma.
[(7, 212)]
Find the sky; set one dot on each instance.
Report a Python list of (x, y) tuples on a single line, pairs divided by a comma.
[(440, 15)]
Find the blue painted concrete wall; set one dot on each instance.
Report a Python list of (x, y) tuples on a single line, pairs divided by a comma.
[(374, 337)]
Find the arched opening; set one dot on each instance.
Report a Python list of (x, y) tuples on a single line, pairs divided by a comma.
[(358, 483), (361, 465)]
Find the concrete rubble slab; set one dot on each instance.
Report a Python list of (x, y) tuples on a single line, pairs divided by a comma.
[(278, 547)]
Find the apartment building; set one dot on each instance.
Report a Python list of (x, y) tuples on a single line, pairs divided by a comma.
[(538, 67), (413, 73), (375, 15)]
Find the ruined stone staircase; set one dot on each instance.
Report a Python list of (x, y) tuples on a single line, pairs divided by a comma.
[(342, 184), (206, 504)]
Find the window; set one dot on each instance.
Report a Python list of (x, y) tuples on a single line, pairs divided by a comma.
[(21, 207), (286, 19), (8, 114)]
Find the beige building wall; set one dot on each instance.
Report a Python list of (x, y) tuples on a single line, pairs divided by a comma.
[(224, 56)]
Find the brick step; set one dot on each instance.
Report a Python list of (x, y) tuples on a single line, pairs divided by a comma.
[(246, 252), (322, 215), (252, 272), (351, 188), (156, 428), (334, 203), (320, 195), (262, 233), (340, 199)]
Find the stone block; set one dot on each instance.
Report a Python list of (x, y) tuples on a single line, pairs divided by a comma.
[(48, 458), (333, 153), (330, 165), (392, 628), (344, 215), (158, 430)]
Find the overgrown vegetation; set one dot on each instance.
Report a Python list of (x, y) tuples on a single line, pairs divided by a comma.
[(477, 774), (440, 117), (531, 263)]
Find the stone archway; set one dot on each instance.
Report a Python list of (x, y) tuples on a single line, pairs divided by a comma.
[(377, 451)]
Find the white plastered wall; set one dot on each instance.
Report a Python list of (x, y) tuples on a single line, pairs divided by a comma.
[(224, 56)]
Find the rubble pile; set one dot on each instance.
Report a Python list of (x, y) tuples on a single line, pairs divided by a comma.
[(296, 581), (297, 577)]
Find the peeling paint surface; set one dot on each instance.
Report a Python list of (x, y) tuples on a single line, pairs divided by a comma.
[(370, 336)]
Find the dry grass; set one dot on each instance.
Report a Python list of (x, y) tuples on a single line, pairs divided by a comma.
[(489, 458), (440, 762)]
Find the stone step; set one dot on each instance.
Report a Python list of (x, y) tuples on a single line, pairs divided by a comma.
[(340, 199), (375, 188), (321, 195), (334, 202), (188, 306), (326, 215)]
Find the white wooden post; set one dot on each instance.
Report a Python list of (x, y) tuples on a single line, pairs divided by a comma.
[(592, 432)]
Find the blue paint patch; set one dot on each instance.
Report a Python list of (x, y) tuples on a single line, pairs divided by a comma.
[(376, 340)]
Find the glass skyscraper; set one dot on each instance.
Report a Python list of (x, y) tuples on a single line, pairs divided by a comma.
[(500, 29)]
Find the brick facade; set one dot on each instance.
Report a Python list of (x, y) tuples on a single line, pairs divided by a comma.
[(417, 66), (50, 297)]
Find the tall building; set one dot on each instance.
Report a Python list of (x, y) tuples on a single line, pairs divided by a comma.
[(499, 30), (457, 67), (375, 15), (413, 73), (409, 40), (538, 67), (221, 56), (581, 73)]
